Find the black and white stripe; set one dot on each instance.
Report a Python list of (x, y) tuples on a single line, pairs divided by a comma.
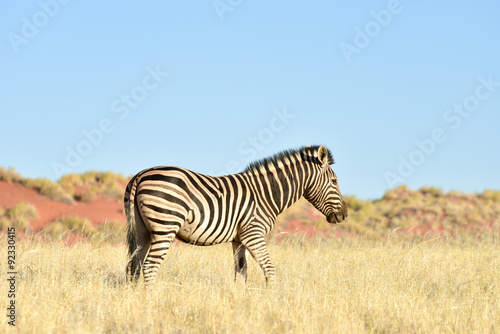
[(163, 203)]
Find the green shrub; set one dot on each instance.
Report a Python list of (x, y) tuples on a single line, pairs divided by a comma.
[(21, 214)]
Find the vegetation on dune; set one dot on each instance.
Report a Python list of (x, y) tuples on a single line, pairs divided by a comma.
[(17, 216), (414, 213), (10, 175), (49, 189), (92, 184), (43, 186), (405, 211), (81, 187), (4, 221), (69, 181), (71, 226), (113, 232)]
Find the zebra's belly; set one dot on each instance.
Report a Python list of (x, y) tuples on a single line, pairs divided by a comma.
[(206, 234)]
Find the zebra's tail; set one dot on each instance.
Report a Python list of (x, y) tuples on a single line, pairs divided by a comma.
[(133, 265)]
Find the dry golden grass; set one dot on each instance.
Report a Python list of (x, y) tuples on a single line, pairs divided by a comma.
[(323, 286)]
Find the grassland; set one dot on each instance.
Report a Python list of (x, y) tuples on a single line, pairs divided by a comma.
[(324, 285)]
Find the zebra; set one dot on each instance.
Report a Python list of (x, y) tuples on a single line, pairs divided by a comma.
[(164, 203)]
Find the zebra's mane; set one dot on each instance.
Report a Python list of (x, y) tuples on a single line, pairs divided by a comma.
[(304, 153)]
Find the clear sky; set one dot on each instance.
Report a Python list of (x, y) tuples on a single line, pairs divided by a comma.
[(402, 92)]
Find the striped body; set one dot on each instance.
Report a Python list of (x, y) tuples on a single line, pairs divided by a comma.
[(163, 203), (215, 205)]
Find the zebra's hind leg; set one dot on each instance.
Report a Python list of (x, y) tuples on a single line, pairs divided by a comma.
[(135, 264), (160, 245), (143, 241), (258, 248), (240, 260)]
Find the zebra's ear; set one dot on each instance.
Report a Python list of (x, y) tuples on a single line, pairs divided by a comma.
[(323, 156)]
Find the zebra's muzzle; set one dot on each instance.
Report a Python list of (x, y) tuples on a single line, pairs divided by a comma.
[(332, 218), (338, 217)]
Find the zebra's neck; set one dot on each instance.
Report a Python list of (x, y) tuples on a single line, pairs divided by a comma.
[(278, 186)]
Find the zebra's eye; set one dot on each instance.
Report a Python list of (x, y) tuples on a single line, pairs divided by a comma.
[(334, 180)]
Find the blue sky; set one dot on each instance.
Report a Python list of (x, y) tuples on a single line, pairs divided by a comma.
[(402, 92)]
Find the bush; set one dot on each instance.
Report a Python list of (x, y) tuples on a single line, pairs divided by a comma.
[(56, 230), (431, 191), (113, 231), (113, 190), (108, 184), (97, 183), (43, 186), (90, 194), (355, 204), (21, 214), (397, 193), (491, 195), (69, 181), (110, 177), (10, 175), (4, 223), (77, 225), (90, 177), (48, 189)]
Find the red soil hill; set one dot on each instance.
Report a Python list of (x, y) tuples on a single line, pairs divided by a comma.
[(97, 211)]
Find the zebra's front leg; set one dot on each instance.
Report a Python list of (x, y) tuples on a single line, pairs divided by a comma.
[(240, 260), (160, 245), (258, 248)]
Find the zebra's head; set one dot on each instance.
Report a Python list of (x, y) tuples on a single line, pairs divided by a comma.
[(323, 192)]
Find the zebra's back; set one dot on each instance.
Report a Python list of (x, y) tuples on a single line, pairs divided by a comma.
[(196, 208)]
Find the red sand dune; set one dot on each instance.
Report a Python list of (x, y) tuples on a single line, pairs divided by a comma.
[(97, 211)]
